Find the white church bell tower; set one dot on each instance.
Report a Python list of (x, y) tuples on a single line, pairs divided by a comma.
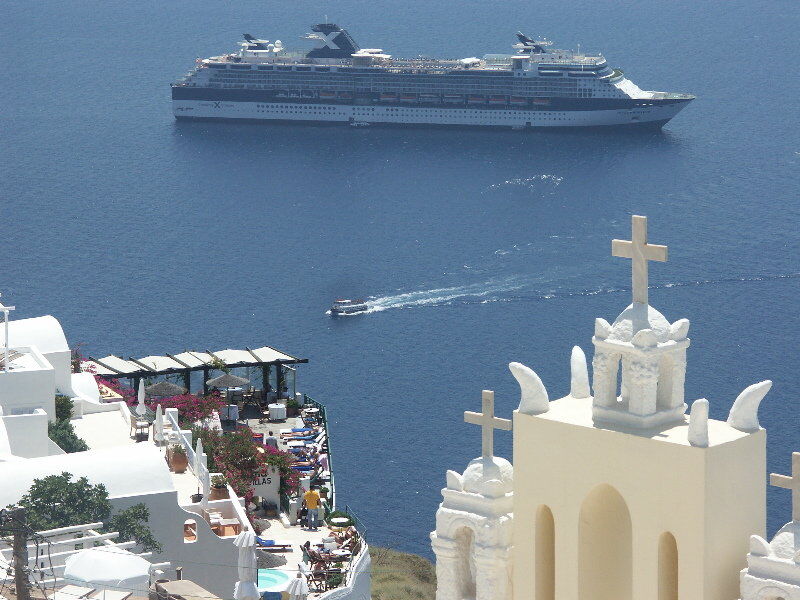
[(618, 495), (650, 350), (472, 541)]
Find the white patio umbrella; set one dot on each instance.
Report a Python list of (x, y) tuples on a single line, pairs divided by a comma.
[(205, 481), (109, 568), (245, 588), (298, 588), (141, 408), (158, 426), (198, 453)]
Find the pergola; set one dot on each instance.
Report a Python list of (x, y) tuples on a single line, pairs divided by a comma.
[(136, 369)]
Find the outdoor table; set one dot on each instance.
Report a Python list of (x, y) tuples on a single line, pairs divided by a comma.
[(277, 412), (141, 429)]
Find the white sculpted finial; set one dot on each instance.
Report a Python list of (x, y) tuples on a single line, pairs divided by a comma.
[(579, 374), (698, 423), (533, 395), (744, 412), (639, 251), (790, 483), (488, 422)]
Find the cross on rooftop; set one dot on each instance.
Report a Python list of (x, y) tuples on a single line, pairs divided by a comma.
[(790, 483), (488, 422), (639, 251), (5, 310)]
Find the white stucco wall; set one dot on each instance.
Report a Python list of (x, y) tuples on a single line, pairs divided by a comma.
[(27, 434), (24, 389), (210, 561)]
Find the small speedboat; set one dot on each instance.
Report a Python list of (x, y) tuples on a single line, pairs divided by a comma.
[(348, 307)]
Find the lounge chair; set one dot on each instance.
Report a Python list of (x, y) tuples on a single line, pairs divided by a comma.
[(271, 545), (71, 592)]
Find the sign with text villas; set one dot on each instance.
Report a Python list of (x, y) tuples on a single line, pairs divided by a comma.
[(266, 486)]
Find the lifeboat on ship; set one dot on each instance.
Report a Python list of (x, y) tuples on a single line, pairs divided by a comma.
[(408, 97), (327, 94), (496, 100), (453, 98), (541, 101), (429, 98), (344, 95), (476, 100), (518, 100), (387, 97)]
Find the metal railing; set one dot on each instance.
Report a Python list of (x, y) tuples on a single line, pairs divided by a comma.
[(323, 418)]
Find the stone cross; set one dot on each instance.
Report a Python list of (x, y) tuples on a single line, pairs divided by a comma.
[(790, 483), (639, 251), (488, 422), (5, 310)]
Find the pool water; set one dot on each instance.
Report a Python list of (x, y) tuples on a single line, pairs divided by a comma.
[(270, 578)]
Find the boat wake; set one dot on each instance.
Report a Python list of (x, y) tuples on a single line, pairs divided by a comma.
[(517, 289), (489, 291)]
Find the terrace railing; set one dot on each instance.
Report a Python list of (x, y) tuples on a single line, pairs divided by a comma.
[(323, 417)]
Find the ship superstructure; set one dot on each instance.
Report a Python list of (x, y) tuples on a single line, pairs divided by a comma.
[(337, 81)]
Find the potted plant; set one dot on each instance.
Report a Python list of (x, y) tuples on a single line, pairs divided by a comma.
[(292, 407), (219, 488), (196, 497), (178, 461), (270, 510), (323, 492)]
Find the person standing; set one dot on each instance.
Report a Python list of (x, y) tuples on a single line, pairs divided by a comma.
[(312, 501), (271, 440)]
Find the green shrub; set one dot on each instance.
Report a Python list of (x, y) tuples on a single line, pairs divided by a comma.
[(63, 434), (131, 524), (64, 406)]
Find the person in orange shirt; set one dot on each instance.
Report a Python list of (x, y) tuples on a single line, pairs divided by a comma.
[(312, 501)]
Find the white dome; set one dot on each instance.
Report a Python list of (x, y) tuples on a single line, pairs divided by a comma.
[(489, 476), (785, 542), (637, 317)]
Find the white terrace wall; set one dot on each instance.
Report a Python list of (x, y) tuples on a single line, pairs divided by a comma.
[(24, 390), (210, 561), (27, 435)]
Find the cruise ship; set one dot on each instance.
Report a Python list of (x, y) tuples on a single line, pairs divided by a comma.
[(338, 81)]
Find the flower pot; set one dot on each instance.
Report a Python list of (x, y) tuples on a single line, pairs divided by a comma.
[(178, 462), (218, 493)]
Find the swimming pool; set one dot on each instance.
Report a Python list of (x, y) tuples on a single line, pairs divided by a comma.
[(272, 580)]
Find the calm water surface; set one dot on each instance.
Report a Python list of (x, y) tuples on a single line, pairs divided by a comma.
[(477, 248)]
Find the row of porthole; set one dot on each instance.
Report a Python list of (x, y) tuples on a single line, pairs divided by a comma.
[(296, 112)]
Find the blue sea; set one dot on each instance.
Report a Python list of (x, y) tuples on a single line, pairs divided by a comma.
[(475, 248)]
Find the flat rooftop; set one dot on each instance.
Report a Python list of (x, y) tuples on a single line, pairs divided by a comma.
[(578, 411)]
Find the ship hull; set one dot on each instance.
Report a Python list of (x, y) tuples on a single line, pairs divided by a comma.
[(653, 116)]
